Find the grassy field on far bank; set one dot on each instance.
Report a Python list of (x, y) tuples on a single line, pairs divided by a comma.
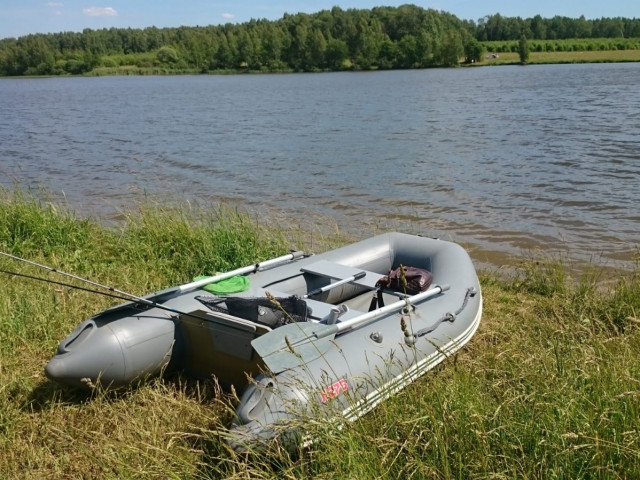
[(549, 387), (613, 56)]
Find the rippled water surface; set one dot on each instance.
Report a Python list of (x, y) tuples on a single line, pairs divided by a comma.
[(503, 159)]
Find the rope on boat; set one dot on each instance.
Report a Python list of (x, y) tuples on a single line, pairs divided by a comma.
[(448, 317)]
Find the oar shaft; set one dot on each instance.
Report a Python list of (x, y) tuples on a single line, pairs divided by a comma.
[(392, 307), (240, 271), (311, 340), (352, 278)]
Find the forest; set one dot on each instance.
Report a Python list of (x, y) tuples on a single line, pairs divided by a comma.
[(355, 39)]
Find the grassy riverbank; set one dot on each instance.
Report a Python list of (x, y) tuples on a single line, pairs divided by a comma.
[(549, 387), (613, 56), (142, 65), (503, 58)]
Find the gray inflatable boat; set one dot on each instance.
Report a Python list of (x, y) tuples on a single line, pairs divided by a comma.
[(312, 336)]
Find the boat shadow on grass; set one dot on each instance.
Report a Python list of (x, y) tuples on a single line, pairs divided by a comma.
[(49, 394)]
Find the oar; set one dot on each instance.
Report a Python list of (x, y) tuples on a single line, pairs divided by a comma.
[(297, 343), (352, 278), (240, 271)]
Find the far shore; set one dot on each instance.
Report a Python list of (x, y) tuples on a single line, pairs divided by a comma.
[(500, 58), (489, 59)]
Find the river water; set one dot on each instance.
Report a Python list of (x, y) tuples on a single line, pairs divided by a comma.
[(506, 160)]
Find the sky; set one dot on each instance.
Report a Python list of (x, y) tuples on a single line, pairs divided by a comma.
[(22, 17)]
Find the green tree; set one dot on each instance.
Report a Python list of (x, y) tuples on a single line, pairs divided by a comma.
[(473, 50), (538, 28), (425, 49), (408, 52), (34, 56), (272, 44), (366, 44), (223, 57), (523, 49), (336, 54), (315, 50), (388, 56), (246, 51), (167, 55), (450, 51)]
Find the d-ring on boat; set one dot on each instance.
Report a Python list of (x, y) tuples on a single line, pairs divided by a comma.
[(311, 335)]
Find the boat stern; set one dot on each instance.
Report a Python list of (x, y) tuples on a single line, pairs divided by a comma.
[(113, 353)]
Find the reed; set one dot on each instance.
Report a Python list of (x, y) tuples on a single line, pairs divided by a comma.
[(549, 386)]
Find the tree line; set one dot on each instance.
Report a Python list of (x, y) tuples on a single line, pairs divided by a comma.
[(496, 27), (356, 39)]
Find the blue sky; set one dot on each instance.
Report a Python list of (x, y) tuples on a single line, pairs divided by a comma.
[(21, 17)]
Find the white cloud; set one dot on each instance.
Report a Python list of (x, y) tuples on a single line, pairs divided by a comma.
[(55, 4), (228, 16), (100, 12)]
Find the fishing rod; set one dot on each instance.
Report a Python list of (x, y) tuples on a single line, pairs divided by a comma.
[(98, 292), (62, 284), (129, 296), (182, 288)]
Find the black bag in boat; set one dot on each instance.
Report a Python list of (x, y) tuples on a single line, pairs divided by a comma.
[(410, 280), (261, 309)]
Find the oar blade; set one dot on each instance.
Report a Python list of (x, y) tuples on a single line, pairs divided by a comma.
[(294, 345)]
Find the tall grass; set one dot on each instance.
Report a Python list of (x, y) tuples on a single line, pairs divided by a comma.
[(549, 387)]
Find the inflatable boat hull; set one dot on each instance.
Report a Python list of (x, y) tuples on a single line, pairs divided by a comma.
[(344, 375)]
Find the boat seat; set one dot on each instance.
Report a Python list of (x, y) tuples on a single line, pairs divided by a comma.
[(320, 309), (337, 271), (325, 268)]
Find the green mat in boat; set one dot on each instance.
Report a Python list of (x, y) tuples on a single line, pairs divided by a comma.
[(235, 284)]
